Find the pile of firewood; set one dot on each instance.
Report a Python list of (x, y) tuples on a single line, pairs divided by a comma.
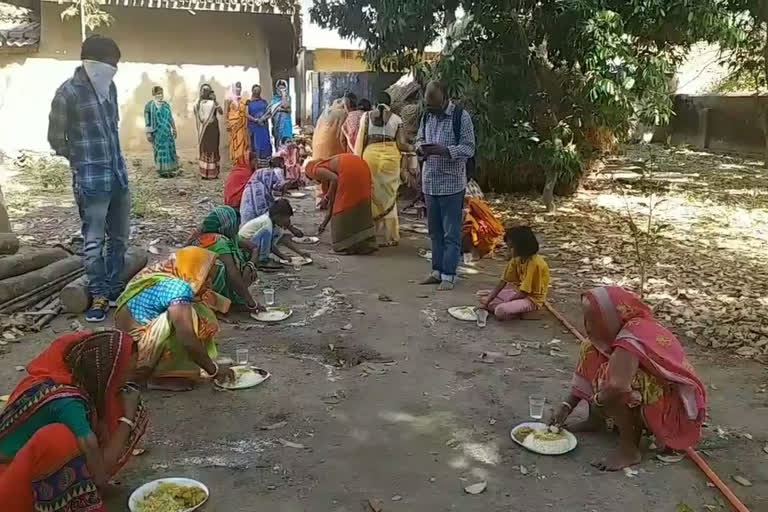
[(30, 283)]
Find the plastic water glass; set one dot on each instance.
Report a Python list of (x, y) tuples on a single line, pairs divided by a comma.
[(536, 406), (482, 317), (242, 356), (269, 296), (296, 260), (467, 258)]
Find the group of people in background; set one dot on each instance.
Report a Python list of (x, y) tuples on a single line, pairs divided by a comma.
[(247, 121)]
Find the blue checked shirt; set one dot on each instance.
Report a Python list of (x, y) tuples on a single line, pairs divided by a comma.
[(440, 175), (85, 132)]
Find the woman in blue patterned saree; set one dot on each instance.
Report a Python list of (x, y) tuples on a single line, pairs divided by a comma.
[(161, 133)]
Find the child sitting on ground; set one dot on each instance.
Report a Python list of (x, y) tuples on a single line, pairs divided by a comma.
[(523, 287), (266, 233)]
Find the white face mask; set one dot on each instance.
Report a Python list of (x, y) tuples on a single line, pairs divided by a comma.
[(100, 74)]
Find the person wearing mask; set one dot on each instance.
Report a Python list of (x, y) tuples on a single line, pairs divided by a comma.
[(83, 128), (446, 140)]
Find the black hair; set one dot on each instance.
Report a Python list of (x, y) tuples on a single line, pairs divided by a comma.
[(352, 99), (383, 99), (100, 48), (276, 161), (280, 207), (364, 105), (156, 89), (255, 86), (522, 240), (440, 86)]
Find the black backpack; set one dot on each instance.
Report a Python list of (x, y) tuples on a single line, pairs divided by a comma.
[(456, 118)]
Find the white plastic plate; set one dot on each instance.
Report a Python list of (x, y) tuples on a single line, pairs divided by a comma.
[(272, 315), (309, 240), (538, 426), (246, 377), (464, 313), (146, 489)]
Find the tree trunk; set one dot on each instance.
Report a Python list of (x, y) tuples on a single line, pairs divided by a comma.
[(762, 109), (28, 261), (18, 285), (9, 243), (5, 222), (548, 195), (74, 296)]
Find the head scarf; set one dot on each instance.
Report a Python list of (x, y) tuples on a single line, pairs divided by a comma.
[(232, 93), (222, 220), (620, 319), (610, 308), (84, 364)]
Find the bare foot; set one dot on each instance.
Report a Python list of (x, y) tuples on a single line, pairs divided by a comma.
[(430, 280), (622, 458), (171, 384), (445, 286)]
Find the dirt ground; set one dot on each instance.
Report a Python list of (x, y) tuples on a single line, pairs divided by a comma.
[(389, 398)]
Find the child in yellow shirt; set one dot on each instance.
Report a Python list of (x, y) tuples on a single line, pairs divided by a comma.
[(523, 287)]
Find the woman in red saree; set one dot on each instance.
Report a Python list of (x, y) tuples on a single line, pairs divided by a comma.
[(235, 184), (348, 181), (635, 372), (70, 425)]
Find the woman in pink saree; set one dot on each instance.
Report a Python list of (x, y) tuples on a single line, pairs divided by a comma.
[(634, 371)]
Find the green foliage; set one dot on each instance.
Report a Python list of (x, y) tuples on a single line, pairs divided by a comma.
[(94, 16), (44, 173), (538, 75)]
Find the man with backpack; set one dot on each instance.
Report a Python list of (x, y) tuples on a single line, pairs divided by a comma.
[(446, 142)]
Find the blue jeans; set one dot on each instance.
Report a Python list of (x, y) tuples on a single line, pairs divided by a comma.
[(445, 216), (106, 226)]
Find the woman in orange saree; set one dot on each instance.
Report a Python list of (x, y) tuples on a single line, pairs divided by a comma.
[(634, 371), (237, 125), (348, 180), (70, 425), (481, 230), (328, 140)]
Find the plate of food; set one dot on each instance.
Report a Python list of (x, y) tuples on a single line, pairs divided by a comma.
[(301, 259), (464, 313), (415, 228), (308, 240), (297, 195), (169, 495), (273, 314), (245, 377), (543, 439), (426, 254)]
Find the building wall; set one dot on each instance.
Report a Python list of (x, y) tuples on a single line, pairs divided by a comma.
[(332, 60), (722, 123), (171, 48)]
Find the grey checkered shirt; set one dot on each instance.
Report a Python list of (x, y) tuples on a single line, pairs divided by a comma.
[(442, 176)]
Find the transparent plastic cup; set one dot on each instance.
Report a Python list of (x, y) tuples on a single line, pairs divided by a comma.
[(241, 355), (296, 260), (467, 258), (269, 296), (536, 406), (482, 317)]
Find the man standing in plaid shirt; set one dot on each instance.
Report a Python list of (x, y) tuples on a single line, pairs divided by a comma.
[(83, 128), (446, 140)]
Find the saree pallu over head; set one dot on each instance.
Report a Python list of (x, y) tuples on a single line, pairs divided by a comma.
[(675, 409), (235, 184), (159, 349), (237, 124), (49, 472), (218, 231)]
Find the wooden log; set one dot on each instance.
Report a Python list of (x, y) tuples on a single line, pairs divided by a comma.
[(9, 243), (37, 295), (28, 261), (74, 297), (42, 322), (17, 286)]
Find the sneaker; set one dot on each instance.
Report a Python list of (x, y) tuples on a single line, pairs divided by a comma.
[(98, 310)]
